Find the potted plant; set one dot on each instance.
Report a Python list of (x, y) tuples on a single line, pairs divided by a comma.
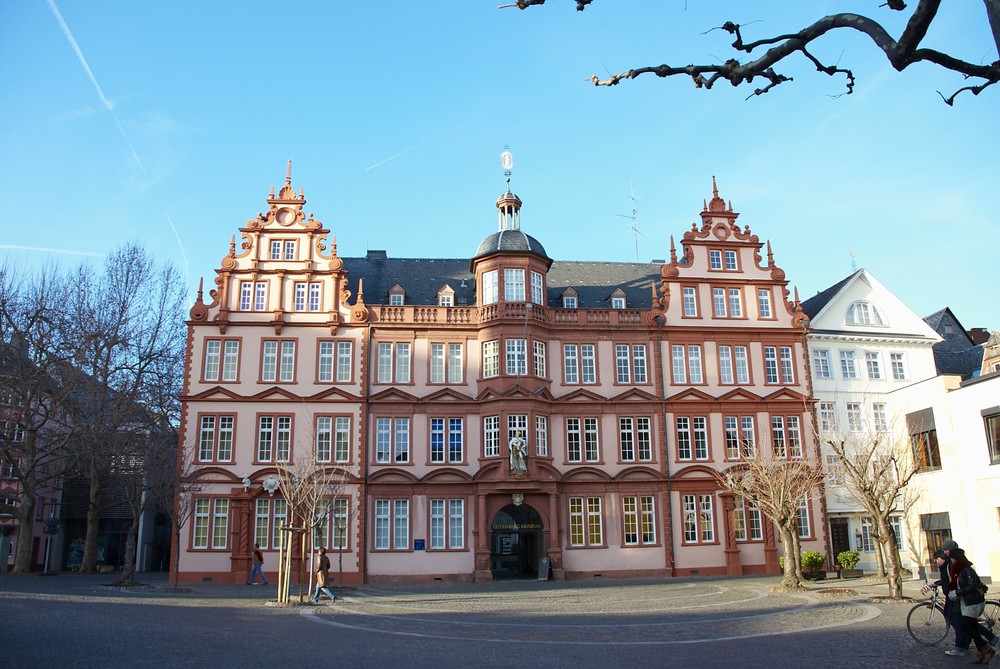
[(813, 565), (848, 561)]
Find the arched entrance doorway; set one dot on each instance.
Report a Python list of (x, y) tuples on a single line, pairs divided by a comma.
[(516, 542)]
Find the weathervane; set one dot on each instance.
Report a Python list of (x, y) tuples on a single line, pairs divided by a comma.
[(507, 161)]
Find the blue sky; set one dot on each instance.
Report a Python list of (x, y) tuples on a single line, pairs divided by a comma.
[(167, 123)]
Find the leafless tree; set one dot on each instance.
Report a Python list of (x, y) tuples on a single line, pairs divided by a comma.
[(35, 353), (777, 487), (129, 338), (177, 501), (901, 52), (877, 469)]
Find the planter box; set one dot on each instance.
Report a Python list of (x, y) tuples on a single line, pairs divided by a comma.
[(851, 573), (815, 575)]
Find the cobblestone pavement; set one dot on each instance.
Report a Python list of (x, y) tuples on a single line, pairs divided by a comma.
[(77, 621)]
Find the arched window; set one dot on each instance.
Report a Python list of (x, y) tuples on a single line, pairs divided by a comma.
[(864, 313)]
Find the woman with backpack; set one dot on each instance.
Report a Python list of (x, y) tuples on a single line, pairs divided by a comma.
[(967, 591)]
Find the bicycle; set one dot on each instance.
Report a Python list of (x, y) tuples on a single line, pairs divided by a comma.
[(927, 625)]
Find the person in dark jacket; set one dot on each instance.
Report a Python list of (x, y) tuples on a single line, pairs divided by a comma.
[(966, 594), (952, 611)]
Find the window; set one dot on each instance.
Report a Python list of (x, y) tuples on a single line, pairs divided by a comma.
[(7, 468), (896, 523), (827, 417), (517, 426), (864, 313), (396, 299), (490, 287), (586, 527), (307, 296), (735, 303), (848, 368), (221, 359), (923, 439), (734, 367), (867, 538), (879, 417), (581, 440), (513, 285), (804, 522), (569, 301), (392, 440), (331, 514), (778, 366), (446, 363), (821, 364), (491, 436), (274, 438), (764, 303), (333, 434), (335, 362), (541, 436), (282, 249), (786, 437), (538, 359), (537, 291), (617, 302), (491, 359), (730, 261), (270, 516), (211, 523), (740, 437), (834, 471), (516, 357), (689, 299), (278, 361), (447, 440), (714, 259), (215, 438), (393, 363), (579, 364), (719, 303), (447, 526), (253, 295), (446, 300), (991, 422), (699, 525), (855, 417), (630, 362), (686, 363), (339, 517), (635, 439), (747, 521), (873, 366), (639, 517), (392, 524), (898, 364), (692, 437)]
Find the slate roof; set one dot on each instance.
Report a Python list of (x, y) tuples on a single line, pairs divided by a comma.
[(422, 278), (815, 304), (510, 241), (955, 353)]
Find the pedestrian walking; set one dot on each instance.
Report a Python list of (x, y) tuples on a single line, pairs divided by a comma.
[(323, 576), (258, 567), (968, 595)]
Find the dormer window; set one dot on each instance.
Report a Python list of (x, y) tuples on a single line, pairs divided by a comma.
[(864, 313), (569, 299), (618, 299), (396, 296), (446, 296)]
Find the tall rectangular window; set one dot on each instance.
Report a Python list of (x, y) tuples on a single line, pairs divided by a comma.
[(991, 422), (314, 296), (537, 293), (714, 259), (333, 438), (538, 359), (491, 436), (260, 296), (447, 440), (446, 363), (491, 359), (821, 364), (220, 523), (541, 436), (447, 524), (393, 362), (392, 524), (787, 368), (923, 438), (699, 523), (345, 361), (579, 364), (804, 523), (740, 437), (215, 441), (855, 417), (324, 362), (516, 357), (490, 287), (764, 303), (747, 521), (635, 439), (392, 440), (827, 417), (221, 359), (719, 303), (513, 285), (898, 366), (735, 302), (880, 418), (299, 296), (586, 526), (678, 364), (278, 361), (639, 520), (742, 364), (848, 367), (873, 365), (689, 299)]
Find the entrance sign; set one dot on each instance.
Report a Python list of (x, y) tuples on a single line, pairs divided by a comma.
[(543, 569)]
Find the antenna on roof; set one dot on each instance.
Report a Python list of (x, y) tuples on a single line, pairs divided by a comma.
[(854, 262), (632, 217)]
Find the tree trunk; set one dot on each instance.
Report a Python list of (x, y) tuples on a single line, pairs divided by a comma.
[(25, 523), (797, 550), (128, 566), (93, 518), (790, 580), (177, 552), (888, 545)]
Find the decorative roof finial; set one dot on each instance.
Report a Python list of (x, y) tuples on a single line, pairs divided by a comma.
[(288, 174), (507, 161)]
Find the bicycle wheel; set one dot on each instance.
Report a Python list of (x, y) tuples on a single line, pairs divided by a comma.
[(926, 624), (990, 616)]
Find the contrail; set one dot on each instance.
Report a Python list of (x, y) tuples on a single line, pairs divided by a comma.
[(108, 105), (404, 151), (43, 249)]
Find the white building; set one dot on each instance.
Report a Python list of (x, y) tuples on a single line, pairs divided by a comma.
[(864, 343)]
